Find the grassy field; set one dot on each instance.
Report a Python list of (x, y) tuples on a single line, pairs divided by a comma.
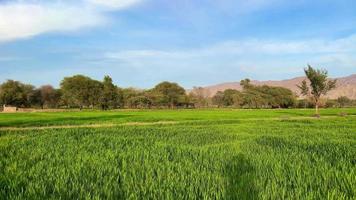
[(178, 154)]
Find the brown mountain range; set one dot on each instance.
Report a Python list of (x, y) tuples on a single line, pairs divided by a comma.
[(346, 86)]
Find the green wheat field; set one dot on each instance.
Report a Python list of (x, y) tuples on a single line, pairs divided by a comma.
[(178, 154)]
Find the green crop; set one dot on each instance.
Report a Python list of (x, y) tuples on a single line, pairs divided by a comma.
[(202, 154)]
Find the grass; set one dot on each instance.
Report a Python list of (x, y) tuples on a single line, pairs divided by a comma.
[(206, 154)]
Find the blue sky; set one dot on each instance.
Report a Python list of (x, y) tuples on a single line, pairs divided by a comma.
[(193, 42)]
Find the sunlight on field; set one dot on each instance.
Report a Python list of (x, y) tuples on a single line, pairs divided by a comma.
[(178, 154)]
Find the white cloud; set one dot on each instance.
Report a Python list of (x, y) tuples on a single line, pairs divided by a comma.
[(20, 20), (251, 58), (270, 47), (246, 48), (27, 20), (116, 4)]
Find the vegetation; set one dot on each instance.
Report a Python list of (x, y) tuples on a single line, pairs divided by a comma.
[(178, 154), (318, 85), (84, 92)]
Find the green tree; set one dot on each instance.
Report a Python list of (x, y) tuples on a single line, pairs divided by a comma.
[(127, 94), (265, 96), (109, 96), (246, 83), (141, 101), (318, 85), (232, 98), (278, 97), (81, 91), (218, 99), (16, 93), (171, 94)]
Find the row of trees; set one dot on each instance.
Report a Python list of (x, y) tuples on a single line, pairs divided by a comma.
[(255, 97), (18, 94), (340, 102), (83, 92)]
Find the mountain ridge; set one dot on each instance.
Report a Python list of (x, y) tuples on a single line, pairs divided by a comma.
[(346, 86)]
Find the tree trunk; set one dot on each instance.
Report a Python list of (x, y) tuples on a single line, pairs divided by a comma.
[(316, 107)]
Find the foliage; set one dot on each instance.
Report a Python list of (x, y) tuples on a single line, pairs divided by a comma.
[(170, 94), (218, 99), (15, 93), (254, 96), (50, 96), (84, 92), (318, 84), (344, 101), (110, 97), (199, 97), (81, 91)]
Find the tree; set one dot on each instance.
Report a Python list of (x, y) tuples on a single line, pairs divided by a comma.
[(16, 93), (218, 99), (199, 97), (50, 96), (318, 85), (110, 96), (278, 97), (253, 99), (140, 102), (34, 98), (81, 91), (246, 83), (343, 101), (171, 94), (128, 93), (232, 97), (252, 95), (265, 96)]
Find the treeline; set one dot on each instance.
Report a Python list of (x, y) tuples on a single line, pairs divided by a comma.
[(83, 92)]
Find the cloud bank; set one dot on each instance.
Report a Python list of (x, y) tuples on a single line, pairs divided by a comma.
[(254, 47), (19, 19), (256, 58)]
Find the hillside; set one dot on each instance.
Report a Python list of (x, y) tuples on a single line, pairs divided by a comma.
[(346, 86)]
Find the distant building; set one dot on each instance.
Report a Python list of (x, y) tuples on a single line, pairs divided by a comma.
[(9, 109)]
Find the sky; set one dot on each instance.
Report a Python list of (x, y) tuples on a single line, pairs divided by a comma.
[(140, 43)]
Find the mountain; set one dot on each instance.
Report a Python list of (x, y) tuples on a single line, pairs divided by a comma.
[(346, 86)]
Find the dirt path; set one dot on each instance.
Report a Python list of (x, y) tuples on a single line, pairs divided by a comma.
[(154, 123), (86, 126)]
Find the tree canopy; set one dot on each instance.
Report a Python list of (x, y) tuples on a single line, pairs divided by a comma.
[(319, 85)]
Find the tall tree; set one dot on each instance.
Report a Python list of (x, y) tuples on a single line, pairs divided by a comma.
[(81, 91), (218, 99), (171, 94), (126, 94), (318, 85), (49, 96), (232, 98), (246, 83), (16, 93), (110, 96)]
